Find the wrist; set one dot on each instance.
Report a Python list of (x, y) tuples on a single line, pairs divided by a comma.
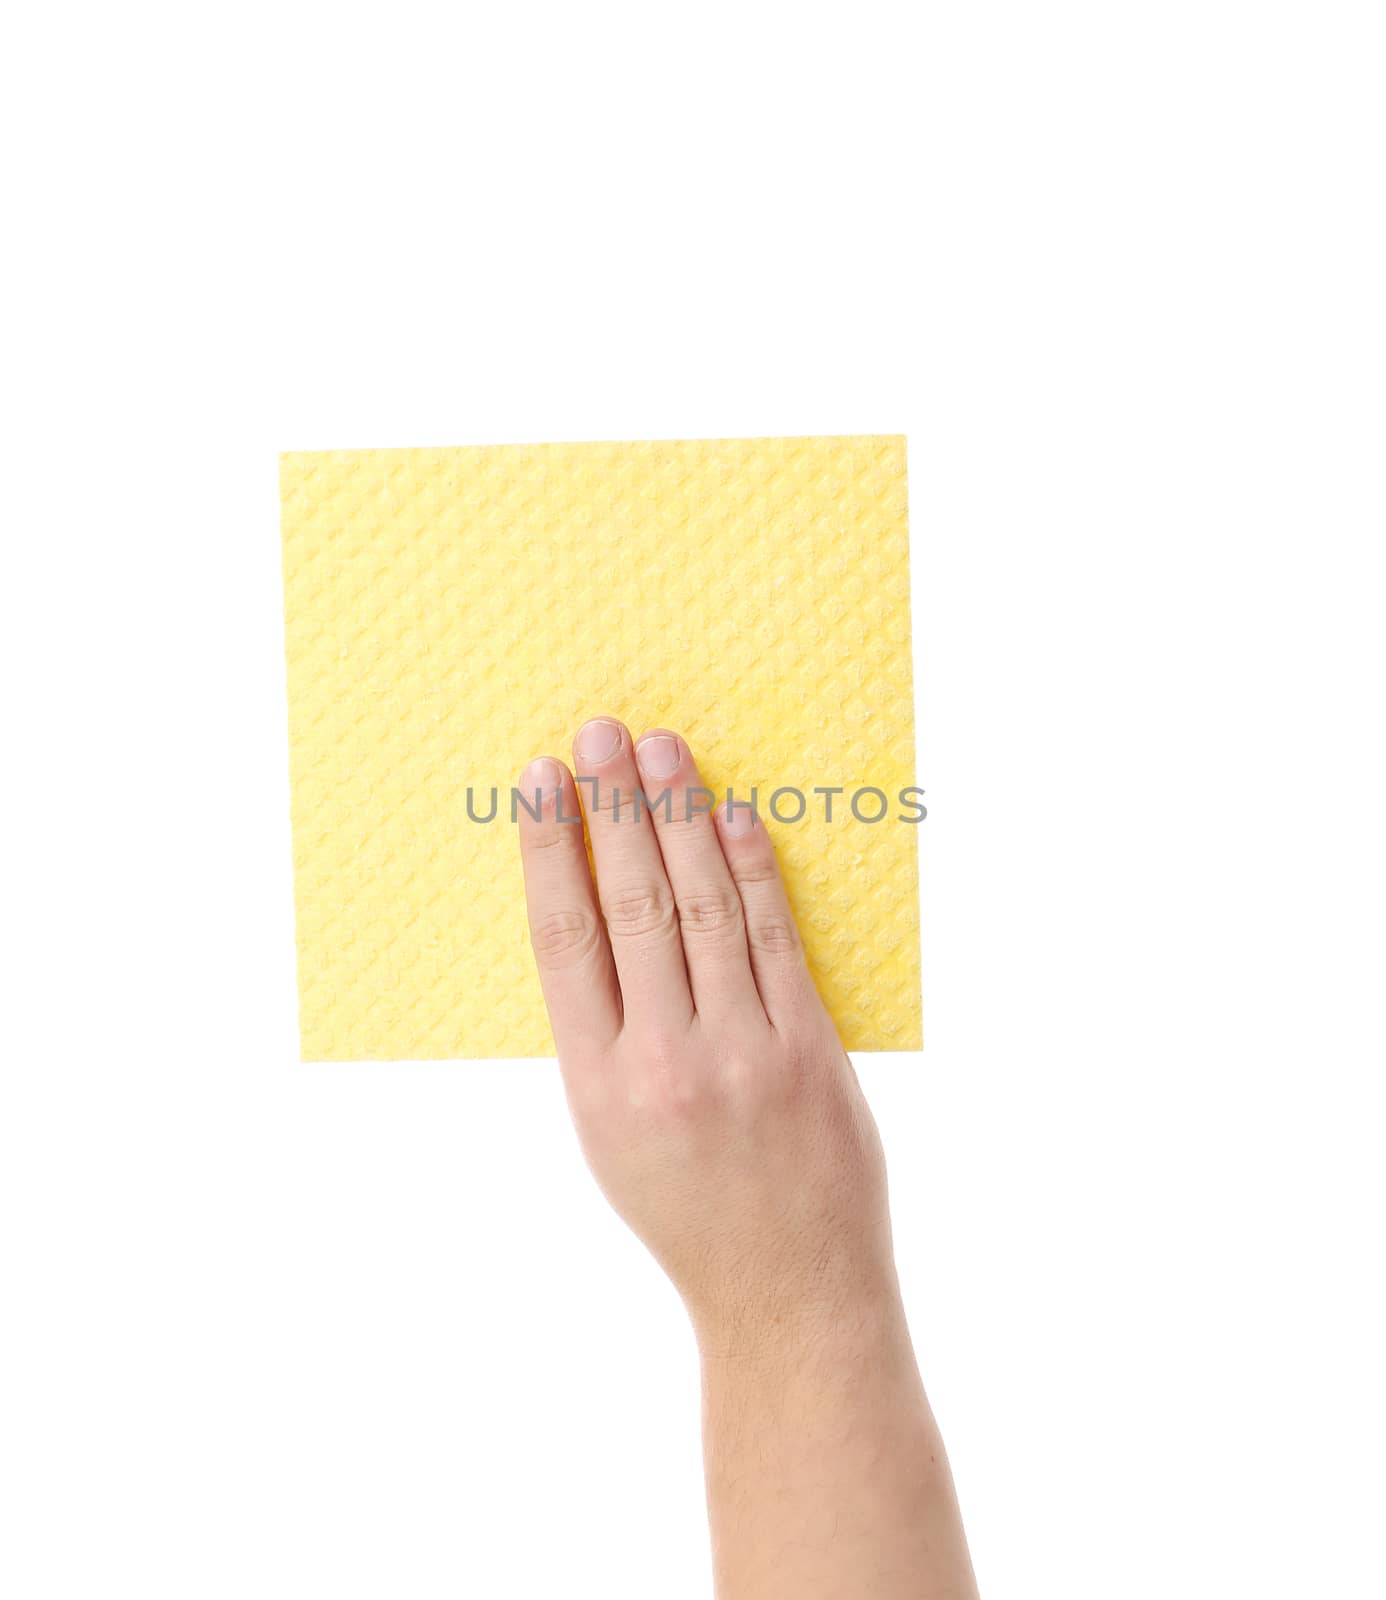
[(806, 1335)]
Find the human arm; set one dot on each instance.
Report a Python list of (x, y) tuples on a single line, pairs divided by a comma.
[(723, 1120)]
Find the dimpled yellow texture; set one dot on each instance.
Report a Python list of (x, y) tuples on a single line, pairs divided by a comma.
[(451, 613)]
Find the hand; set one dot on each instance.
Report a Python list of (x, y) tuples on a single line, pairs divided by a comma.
[(722, 1117), (715, 1104)]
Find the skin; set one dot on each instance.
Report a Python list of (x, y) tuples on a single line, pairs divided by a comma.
[(723, 1120)]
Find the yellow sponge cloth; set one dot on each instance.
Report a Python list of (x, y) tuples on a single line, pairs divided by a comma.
[(451, 613)]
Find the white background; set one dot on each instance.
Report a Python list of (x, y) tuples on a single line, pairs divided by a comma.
[(1117, 271)]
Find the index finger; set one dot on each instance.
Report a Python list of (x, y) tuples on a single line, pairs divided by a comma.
[(570, 944)]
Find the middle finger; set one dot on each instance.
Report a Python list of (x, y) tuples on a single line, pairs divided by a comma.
[(632, 886)]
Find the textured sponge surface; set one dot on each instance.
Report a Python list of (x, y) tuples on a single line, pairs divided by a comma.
[(450, 613)]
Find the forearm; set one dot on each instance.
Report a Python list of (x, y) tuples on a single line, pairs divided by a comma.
[(826, 1475)]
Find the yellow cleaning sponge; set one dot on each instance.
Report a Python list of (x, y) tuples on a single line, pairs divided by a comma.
[(451, 613)]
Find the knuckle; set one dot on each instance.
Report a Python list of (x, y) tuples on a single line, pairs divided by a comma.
[(755, 873), (710, 911), (562, 937), (678, 1082), (611, 803), (752, 1082), (633, 913), (774, 935), (550, 837), (681, 1095)]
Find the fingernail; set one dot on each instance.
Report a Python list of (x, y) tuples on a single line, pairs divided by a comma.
[(543, 775), (737, 820), (598, 740), (658, 755)]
